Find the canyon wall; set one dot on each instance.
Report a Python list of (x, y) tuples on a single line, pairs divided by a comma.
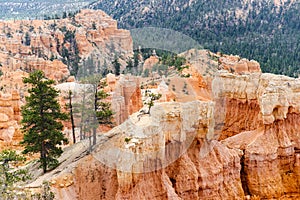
[(237, 138), (266, 130), (183, 151), (164, 155)]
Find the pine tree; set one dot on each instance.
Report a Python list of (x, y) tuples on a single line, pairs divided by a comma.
[(10, 175), (41, 125), (96, 109), (117, 65), (27, 39), (151, 98)]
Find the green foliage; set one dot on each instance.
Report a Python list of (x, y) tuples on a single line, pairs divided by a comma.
[(46, 193), (9, 35), (173, 88), (9, 174), (135, 60), (129, 63), (182, 67), (64, 15), (104, 113), (173, 60), (266, 32), (127, 140), (93, 108), (70, 107), (70, 52), (151, 98), (52, 57), (116, 65), (132, 65), (94, 27), (41, 120), (146, 73), (27, 39), (31, 28)]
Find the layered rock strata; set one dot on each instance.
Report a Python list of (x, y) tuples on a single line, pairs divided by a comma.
[(9, 118), (262, 111), (162, 156)]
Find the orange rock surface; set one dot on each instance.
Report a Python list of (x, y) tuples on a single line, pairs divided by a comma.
[(237, 65), (150, 62), (256, 155), (10, 134), (38, 44), (126, 98)]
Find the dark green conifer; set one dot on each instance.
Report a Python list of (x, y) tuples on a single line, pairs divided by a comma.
[(41, 121)]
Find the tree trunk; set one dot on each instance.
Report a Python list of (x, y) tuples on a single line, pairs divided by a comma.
[(90, 143), (43, 157), (95, 117), (72, 118)]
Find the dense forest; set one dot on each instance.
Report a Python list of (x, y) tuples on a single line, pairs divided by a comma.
[(259, 30)]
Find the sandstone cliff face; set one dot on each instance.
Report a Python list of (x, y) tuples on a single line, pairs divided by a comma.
[(260, 160), (263, 110), (167, 156), (150, 62), (240, 141), (238, 65), (126, 96), (10, 134)]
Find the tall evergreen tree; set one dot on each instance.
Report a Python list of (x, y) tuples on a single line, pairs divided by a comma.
[(41, 120)]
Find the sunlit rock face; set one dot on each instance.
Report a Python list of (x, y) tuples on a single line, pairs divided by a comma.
[(126, 96), (262, 112), (10, 134), (164, 155), (237, 138)]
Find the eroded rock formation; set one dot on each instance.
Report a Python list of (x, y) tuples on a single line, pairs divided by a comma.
[(267, 134), (50, 45), (234, 139), (255, 156), (9, 118), (138, 167), (238, 65), (150, 62), (126, 98)]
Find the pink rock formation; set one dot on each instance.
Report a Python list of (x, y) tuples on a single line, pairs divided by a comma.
[(31, 44), (176, 152), (207, 170), (150, 62), (237, 65), (263, 111), (9, 119), (126, 97)]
